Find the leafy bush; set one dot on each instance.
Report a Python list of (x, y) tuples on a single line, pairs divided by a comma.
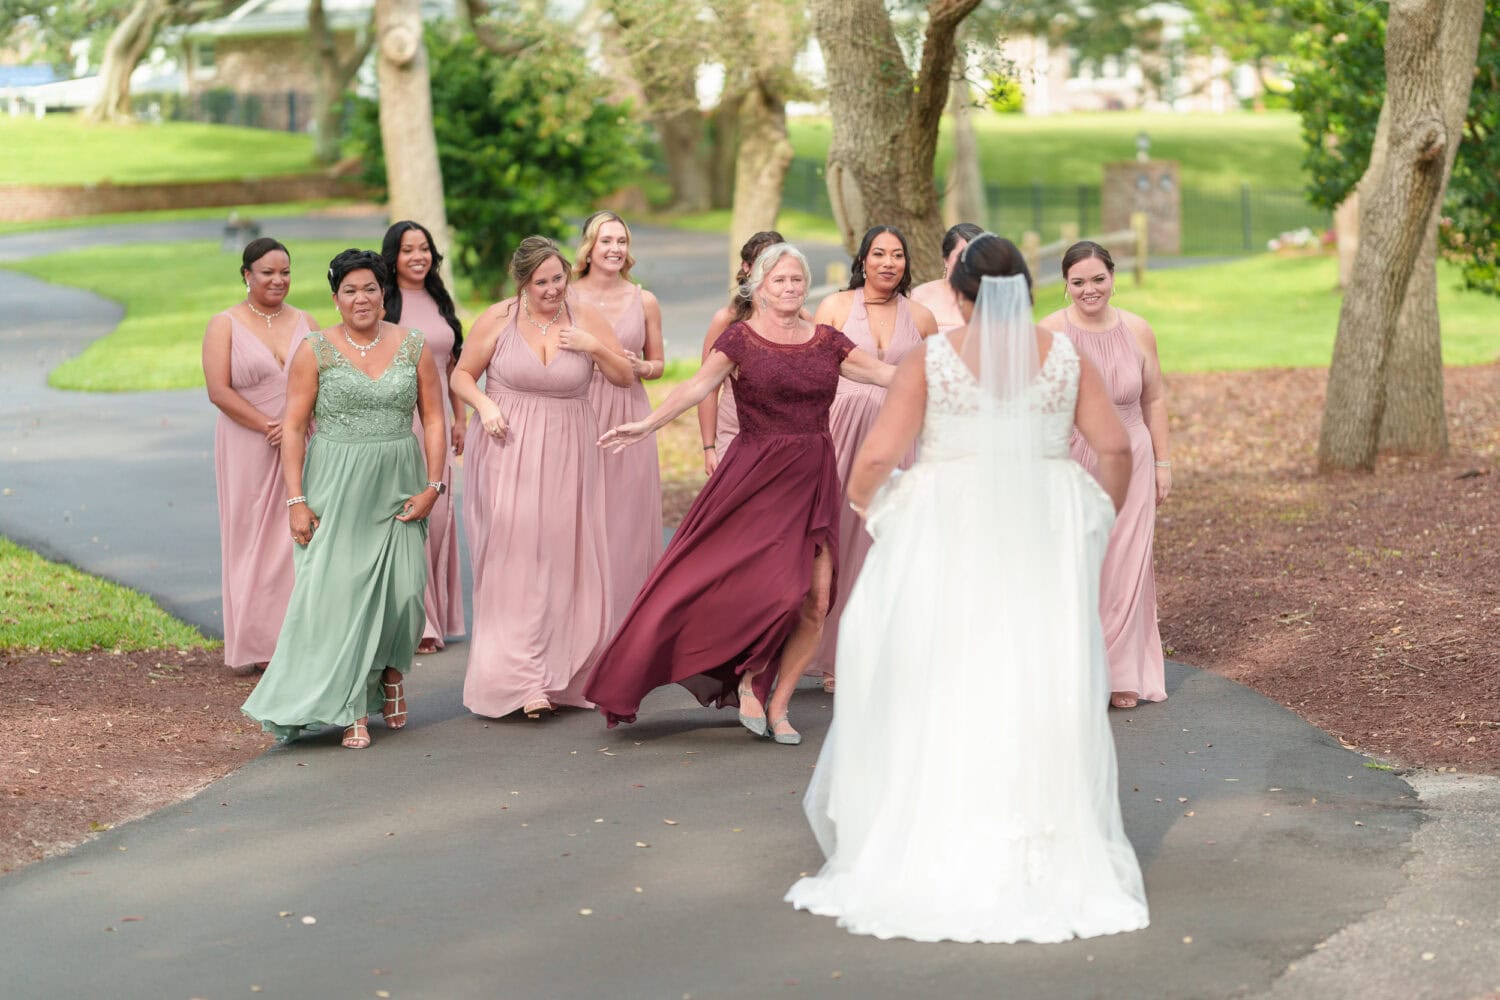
[(523, 138)]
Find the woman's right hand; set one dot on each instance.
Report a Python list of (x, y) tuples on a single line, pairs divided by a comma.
[(493, 421), (625, 435), (273, 432), (304, 523), (710, 460)]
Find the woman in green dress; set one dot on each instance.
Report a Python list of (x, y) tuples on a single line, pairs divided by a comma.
[(357, 499)]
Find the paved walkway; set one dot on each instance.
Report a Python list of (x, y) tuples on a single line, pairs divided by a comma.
[(474, 858)]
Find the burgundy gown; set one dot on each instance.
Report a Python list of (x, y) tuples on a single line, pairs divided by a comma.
[(727, 592)]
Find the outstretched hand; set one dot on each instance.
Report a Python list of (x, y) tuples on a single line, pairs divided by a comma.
[(625, 435)]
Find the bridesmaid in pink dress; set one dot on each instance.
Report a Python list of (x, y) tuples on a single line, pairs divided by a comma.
[(532, 504), (418, 299), (1123, 347), (718, 420), (630, 481), (245, 352), (875, 313), (937, 295)]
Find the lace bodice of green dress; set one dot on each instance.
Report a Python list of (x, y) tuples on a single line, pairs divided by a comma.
[(352, 406)]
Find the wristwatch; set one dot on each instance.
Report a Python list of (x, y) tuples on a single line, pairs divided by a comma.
[(440, 487)]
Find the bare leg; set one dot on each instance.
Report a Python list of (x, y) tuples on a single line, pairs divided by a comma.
[(803, 643)]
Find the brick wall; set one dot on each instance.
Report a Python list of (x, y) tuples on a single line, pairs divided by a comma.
[(28, 203)]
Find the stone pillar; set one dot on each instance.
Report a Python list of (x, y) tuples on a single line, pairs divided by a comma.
[(1150, 186)]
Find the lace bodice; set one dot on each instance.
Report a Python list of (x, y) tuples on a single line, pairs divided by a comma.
[(352, 406), (956, 404), (784, 388)]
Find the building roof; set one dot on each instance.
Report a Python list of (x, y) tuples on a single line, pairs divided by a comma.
[(289, 17)]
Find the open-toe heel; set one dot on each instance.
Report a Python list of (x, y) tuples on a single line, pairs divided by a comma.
[(357, 736), (755, 723), (1124, 699), (394, 709)]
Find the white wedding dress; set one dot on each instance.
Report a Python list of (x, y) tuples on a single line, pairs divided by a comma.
[(967, 787)]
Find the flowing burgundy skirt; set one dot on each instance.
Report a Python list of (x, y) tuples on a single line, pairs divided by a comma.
[(728, 590)]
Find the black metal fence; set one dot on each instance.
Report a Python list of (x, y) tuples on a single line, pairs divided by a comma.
[(282, 110), (1215, 220)]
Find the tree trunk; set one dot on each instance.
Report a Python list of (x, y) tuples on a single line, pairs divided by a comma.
[(885, 121), (413, 180), (964, 200), (760, 169), (332, 77), (681, 134), (122, 53), (1423, 37), (724, 137)]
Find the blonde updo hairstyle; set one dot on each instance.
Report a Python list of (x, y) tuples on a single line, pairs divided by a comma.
[(591, 227), (533, 252), (768, 259)]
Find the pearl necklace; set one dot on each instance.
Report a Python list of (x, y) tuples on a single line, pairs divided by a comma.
[(266, 316), (543, 327), (363, 349)]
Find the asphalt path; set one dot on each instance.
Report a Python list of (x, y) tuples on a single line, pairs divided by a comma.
[(477, 858)]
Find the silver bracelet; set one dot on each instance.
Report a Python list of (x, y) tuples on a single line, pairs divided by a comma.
[(294, 501), (1163, 465)]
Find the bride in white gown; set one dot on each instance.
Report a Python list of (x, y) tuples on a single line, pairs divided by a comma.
[(967, 788)]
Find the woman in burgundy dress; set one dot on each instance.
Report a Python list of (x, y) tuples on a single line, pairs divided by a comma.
[(739, 597), (418, 299)]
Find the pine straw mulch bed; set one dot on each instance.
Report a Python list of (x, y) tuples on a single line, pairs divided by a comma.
[(1367, 604)]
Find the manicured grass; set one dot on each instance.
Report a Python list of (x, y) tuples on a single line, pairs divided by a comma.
[(170, 291), (1271, 311), (278, 209), (1214, 150), (63, 149), (799, 227), (55, 608)]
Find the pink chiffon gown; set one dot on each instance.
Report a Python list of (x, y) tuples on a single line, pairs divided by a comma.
[(853, 414), (255, 544), (444, 601), (728, 424), (1127, 592), (728, 591), (536, 529), (631, 479)]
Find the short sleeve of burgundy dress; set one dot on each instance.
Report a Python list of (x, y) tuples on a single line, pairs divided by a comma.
[(726, 594)]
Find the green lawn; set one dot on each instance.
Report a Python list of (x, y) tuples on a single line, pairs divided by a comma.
[(62, 149), (289, 208), (54, 608), (170, 291), (1262, 149), (1271, 311)]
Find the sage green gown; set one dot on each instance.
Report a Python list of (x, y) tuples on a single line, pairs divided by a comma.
[(356, 604)]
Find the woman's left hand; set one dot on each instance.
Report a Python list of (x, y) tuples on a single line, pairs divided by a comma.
[(575, 339), (639, 366), (418, 506), (460, 429), (1163, 482)]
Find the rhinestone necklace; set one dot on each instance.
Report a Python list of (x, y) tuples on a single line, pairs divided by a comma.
[(266, 316), (363, 349), (544, 327)]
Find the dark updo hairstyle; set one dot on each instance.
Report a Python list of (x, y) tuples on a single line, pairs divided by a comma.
[(963, 231), (1086, 250), (857, 267), (756, 245), (987, 255), (352, 260), (390, 250), (258, 248)]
